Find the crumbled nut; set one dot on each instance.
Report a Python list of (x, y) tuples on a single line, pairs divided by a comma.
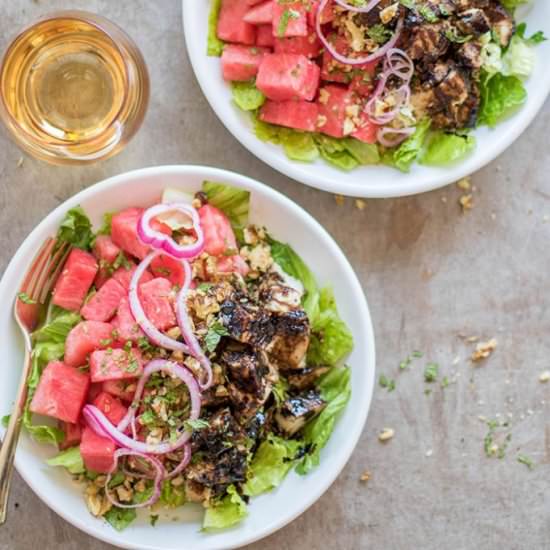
[(339, 199), (260, 258), (464, 184), (365, 476), (544, 376), (352, 110), (321, 120), (250, 235), (197, 203), (386, 434), (100, 481), (324, 96), (92, 489), (140, 486), (484, 349), (221, 391), (20, 162), (94, 504), (387, 14), (177, 481), (429, 453), (174, 332), (154, 437), (349, 127), (466, 201), (360, 204), (124, 494)]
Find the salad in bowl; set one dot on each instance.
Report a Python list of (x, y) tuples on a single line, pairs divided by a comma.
[(186, 356), (367, 82)]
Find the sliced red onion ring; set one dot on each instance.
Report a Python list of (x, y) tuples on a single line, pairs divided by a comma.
[(160, 473), (352, 60), (164, 242), (150, 330), (183, 463), (398, 63), (399, 135), (351, 7), (187, 331), (402, 97)]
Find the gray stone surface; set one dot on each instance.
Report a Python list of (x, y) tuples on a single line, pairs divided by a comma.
[(430, 273)]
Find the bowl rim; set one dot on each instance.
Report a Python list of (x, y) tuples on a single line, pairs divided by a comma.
[(421, 183), (354, 433)]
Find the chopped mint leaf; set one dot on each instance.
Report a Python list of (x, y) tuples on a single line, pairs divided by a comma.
[(214, 335), (195, 425), (523, 459), (430, 372), (153, 518), (386, 383)]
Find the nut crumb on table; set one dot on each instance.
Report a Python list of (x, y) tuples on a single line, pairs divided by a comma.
[(484, 350)]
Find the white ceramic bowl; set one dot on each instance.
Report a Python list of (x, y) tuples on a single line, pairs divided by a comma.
[(288, 223), (366, 181)]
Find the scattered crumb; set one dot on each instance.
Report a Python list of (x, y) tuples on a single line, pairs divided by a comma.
[(386, 434), (365, 476), (360, 204), (470, 339), (467, 202), (493, 216), (465, 184), (484, 349), (429, 452), (444, 200), (530, 412), (544, 376), (456, 360), (20, 162), (546, 218), (339, 199)]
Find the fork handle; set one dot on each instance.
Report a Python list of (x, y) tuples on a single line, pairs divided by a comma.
[(9, 444)]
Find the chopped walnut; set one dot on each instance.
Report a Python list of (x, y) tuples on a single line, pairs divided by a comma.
[(365, 476), (484, 349), (466, 202)]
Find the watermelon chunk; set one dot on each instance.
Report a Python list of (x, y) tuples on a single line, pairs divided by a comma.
[(75, 280), (326, 17), (333, 104), (218, 233), (301, 115), (233, 264), (241, 63), (98, 453), (124, 389), (289, 18), (115, 364), (169, 268), (231, 24), (125, 324), (366, 131), (309, 45), (288, 76), (103, 304), (61, 392), (84, 338), (156, 299), (73, 434), (111, 407), (105, 249), (124, 275), (124, 232), (260, 14), (264, 36), (93, 391)]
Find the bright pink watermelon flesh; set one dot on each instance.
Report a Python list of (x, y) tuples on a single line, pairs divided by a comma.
[(124, 389), (367, 130), (218, 233), (231, 26), (326, 17), (169, 268), (111, 407), (124, 232), (289, 19), (125, 324), (105, 249), (241, 63), (264, 36), (157, 300), (233, 264), (333, 102), (73, 434), (124, 276), (97, 452), (103, 304), (288, 76), (309, 45), (86, 337), (75, 280), (115, 364), (61, 392), (301, 115), (93, 391), (260, 14)]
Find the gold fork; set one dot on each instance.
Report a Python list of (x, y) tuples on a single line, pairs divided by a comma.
[(34, 291)]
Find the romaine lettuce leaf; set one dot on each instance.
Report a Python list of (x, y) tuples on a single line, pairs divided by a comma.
[(299, 146), (270, 465), (403, 157), (172, 496), (443, 148), (120, 518), (511, 5), (364, 153), (334, 151), (76, 229), (71, 459), (214, 44), (228, 512), (534, 39), (247, 96)]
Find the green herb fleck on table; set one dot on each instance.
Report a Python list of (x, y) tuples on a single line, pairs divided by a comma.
[(386, 382), (523, 459), (445, 382), (408, 360), (431, 372), (490, 445)]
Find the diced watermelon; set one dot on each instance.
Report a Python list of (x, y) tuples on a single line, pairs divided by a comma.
[(75, 280), (125, 324), (157, 299), (218, 233), (105, 249), (103, 304), (289, 19), (326, 17), (124, 232), (362, 84), (98, 453), (115, 364), (288, 76), (61, 392), (309, 45), (252, 2), (241, 63), (161, 227), (103, 275), (367, 130), (301, 115), (169, 268), (111, 407), (73, 434), (124, 389), (93, 391), (333, 102), (260, 14), (84, 338), (264, 36), (333, 71), (231, 26), (233, 264), (124, 275)]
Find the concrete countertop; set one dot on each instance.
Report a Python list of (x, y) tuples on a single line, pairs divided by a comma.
[(430, 272)]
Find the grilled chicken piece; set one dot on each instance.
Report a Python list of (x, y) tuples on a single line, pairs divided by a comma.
[(278, 294), (295, 411), (302, 379), (427, 43), (469, 55), (222, 427), (473, 22), (502, 23), (372, 17)]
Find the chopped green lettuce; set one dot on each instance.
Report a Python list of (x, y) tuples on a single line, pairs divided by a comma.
[(120, 518), (511, 5), (331, 339), (76, 229), (364, 153), (299, 146), (226, 513), (335, 389), (70, 459), (403, 157), (443, 148), (534, 39), (247, 96), (270, 465), (232, 201), (519, 59), (214, 44), (334, 151), (105, 228), (172, 496)]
